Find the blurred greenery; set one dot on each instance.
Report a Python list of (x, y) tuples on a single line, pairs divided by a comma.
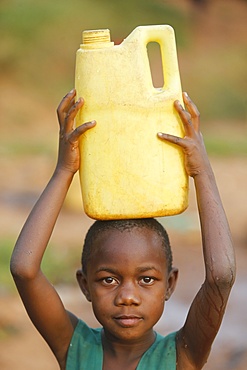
[(39, 40), (59, 264), (25, 148), (6, 246), (226, 147), (221, 83)]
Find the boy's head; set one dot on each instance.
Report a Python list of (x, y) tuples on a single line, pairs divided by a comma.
[(127, 275), (100, 227)]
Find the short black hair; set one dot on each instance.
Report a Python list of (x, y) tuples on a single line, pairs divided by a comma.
[(121, 225)]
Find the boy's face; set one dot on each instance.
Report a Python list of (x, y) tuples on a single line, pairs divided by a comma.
[(127, 282)]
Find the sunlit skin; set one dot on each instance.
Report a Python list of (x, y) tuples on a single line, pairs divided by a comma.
[(127, 282)]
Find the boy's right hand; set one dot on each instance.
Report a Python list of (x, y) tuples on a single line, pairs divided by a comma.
[(68, 154)]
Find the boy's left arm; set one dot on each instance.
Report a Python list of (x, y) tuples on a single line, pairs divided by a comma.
[(206, 312)]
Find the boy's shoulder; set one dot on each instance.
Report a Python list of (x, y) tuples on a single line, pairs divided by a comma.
[(85, 347), (162, 355)]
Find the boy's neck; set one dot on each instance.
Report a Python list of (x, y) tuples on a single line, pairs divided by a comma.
[(124, 354)]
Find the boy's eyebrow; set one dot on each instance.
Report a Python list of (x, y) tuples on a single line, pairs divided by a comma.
[(138, 269), (106, 269), (147, 268)]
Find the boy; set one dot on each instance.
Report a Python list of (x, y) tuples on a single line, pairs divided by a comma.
[(127, 270)]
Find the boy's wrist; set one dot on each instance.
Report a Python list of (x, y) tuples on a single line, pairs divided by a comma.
[(203, 171), (63, 173)]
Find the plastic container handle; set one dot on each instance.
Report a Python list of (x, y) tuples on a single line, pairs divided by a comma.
[(164, 35)]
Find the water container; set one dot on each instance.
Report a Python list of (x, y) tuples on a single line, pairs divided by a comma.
[(126, 170)]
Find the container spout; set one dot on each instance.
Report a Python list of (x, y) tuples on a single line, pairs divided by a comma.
[(96, 39)]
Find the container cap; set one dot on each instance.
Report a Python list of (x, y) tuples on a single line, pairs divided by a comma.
[(96, 39)]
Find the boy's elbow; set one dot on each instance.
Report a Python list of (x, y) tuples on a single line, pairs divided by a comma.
[(223, 280), (20, 271), (226, 281), (223, 272), (229, 275)]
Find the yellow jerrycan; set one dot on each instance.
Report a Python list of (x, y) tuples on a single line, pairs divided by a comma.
[(126, 170)]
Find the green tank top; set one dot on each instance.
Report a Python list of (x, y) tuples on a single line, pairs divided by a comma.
[(86, 353)]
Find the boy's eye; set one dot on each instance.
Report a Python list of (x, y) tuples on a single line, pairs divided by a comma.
[(109, 281), (147, 280)]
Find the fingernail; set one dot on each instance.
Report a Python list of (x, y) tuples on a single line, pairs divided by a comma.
[(186, 95), (72, 91), (180, 105)]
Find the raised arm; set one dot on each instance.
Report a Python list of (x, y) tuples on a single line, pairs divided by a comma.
[(41, 301), (207, 310)]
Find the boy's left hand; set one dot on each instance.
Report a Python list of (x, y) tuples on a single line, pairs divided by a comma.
[(196, 159)]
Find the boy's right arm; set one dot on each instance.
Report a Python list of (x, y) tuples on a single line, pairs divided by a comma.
[(41, 301)]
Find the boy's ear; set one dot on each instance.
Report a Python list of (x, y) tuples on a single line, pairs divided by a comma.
[(82, 281), (171, 282)]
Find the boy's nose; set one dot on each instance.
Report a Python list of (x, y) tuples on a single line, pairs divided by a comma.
[(128, 295)]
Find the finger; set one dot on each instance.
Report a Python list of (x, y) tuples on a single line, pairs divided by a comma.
[(185, 117), (173, 139), (192, 109), (66, 104), (70, 116), (66, 101), (81, 129)]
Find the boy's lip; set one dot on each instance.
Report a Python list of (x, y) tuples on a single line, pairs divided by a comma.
[(128, 321)]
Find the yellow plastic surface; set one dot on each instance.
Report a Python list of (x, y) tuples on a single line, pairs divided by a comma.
[(126, 170)]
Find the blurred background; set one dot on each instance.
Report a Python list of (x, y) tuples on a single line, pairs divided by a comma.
[(37, 60)]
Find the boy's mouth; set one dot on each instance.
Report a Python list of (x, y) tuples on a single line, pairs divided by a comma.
[(128, 321)]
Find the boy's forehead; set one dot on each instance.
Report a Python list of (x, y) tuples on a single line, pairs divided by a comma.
[(136, 239), (109, 233), (127, 252)]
